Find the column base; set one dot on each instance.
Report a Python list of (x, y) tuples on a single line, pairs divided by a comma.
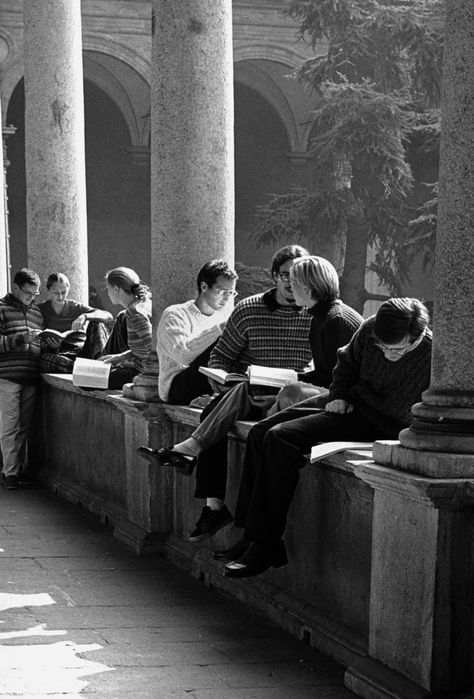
[(373, 680), (432, 464)]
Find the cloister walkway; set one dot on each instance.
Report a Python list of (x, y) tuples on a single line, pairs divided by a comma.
[(81, 616)]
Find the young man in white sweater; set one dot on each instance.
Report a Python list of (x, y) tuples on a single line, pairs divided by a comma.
[(188, 331)]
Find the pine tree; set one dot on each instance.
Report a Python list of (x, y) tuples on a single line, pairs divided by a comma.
[(377, 86)]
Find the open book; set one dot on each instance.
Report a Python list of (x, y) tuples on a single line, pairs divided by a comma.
[(256, 375), (319, 451), (90, 373), (222, 376), (55, 334)]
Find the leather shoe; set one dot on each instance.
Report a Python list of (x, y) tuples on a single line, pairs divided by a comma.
[(167, 457), (256, 560), (232, 553)]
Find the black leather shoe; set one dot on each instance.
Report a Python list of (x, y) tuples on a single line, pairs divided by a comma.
[(167, 457), (232, 553), (210, 522), (256, 560)]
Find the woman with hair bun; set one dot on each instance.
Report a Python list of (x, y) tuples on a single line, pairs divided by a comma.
[(125, 289)]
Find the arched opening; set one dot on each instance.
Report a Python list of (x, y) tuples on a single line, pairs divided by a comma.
[(118, 189)]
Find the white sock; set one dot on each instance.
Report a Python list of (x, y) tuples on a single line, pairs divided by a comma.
[(215, 503), (190, 446)]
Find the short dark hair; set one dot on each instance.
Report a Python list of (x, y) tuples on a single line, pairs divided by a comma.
[(213, 269), (26, 276), (399, 317), (289, 252)]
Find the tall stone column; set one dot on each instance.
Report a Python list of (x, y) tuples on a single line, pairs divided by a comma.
[(440, 443), (54, 141), (192, 144), (422, 577)]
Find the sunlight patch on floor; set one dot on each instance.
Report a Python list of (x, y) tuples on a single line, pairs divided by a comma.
[(42, 669)]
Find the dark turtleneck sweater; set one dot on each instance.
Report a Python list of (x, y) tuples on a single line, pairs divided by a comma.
[(332, 326)]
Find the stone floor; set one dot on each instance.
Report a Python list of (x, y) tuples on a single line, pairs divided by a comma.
[(79, 615)]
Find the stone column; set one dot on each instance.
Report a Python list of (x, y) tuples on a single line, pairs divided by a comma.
[(444, 421), (4, 255), (54, 141), (192, 145), (422, 579)]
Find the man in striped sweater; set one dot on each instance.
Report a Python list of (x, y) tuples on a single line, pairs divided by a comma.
[(188, 331), (267, 329), (21, 322)]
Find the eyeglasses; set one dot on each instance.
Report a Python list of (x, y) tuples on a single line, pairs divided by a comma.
[(284, 276), (29, 294), (226, 293), (393, 350)]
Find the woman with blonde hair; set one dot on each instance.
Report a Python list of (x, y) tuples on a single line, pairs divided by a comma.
[(315, 285), (125, 289)]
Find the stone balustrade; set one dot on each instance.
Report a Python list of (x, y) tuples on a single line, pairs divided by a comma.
[(380, 565)]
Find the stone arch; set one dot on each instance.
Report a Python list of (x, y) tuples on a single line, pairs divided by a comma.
[(290, 102)]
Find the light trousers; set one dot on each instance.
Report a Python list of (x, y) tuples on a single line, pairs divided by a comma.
[(16, 411)]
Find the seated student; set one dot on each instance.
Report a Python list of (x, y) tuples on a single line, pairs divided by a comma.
[(188, 331), (379, 375), (62, 314), (125, 289), (315, 284), (265, 329)]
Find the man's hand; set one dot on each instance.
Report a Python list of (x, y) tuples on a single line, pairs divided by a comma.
[(31, 336), (111, 359), (52, 343), (339, 406)]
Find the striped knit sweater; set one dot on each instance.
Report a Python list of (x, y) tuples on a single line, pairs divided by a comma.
[(19, 361), (380, 390), (139, 333), (260, 331), (332, 325)]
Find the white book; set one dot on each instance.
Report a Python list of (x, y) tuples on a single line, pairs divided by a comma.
[(271, 376), (319, 451), (90, 373), (222, 376)]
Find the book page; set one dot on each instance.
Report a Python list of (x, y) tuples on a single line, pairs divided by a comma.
[(319, 451), (222, 376), (90, 373), (271, 376)]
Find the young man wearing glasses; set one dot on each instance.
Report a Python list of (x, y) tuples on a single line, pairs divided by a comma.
[(266, 329), (379, 375), (20, 324), (188, 331)]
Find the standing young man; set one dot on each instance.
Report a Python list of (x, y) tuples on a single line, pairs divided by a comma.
[(20, 324)]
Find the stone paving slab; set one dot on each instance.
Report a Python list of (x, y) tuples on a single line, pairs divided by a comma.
[(82, 617)]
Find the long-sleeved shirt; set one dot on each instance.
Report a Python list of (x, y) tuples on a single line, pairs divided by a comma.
[(139, 332), (183, 333), (19, 360), (382, 391), (333, 324), (260, 331)]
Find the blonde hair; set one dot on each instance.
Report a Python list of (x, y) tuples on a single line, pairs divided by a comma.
[(318, 275), (128, 280)]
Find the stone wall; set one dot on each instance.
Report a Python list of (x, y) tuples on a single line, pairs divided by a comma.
[(85, 449)]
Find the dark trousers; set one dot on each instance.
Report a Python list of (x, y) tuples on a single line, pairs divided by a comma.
[(211, 470), (276, 449), (190, 383)]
